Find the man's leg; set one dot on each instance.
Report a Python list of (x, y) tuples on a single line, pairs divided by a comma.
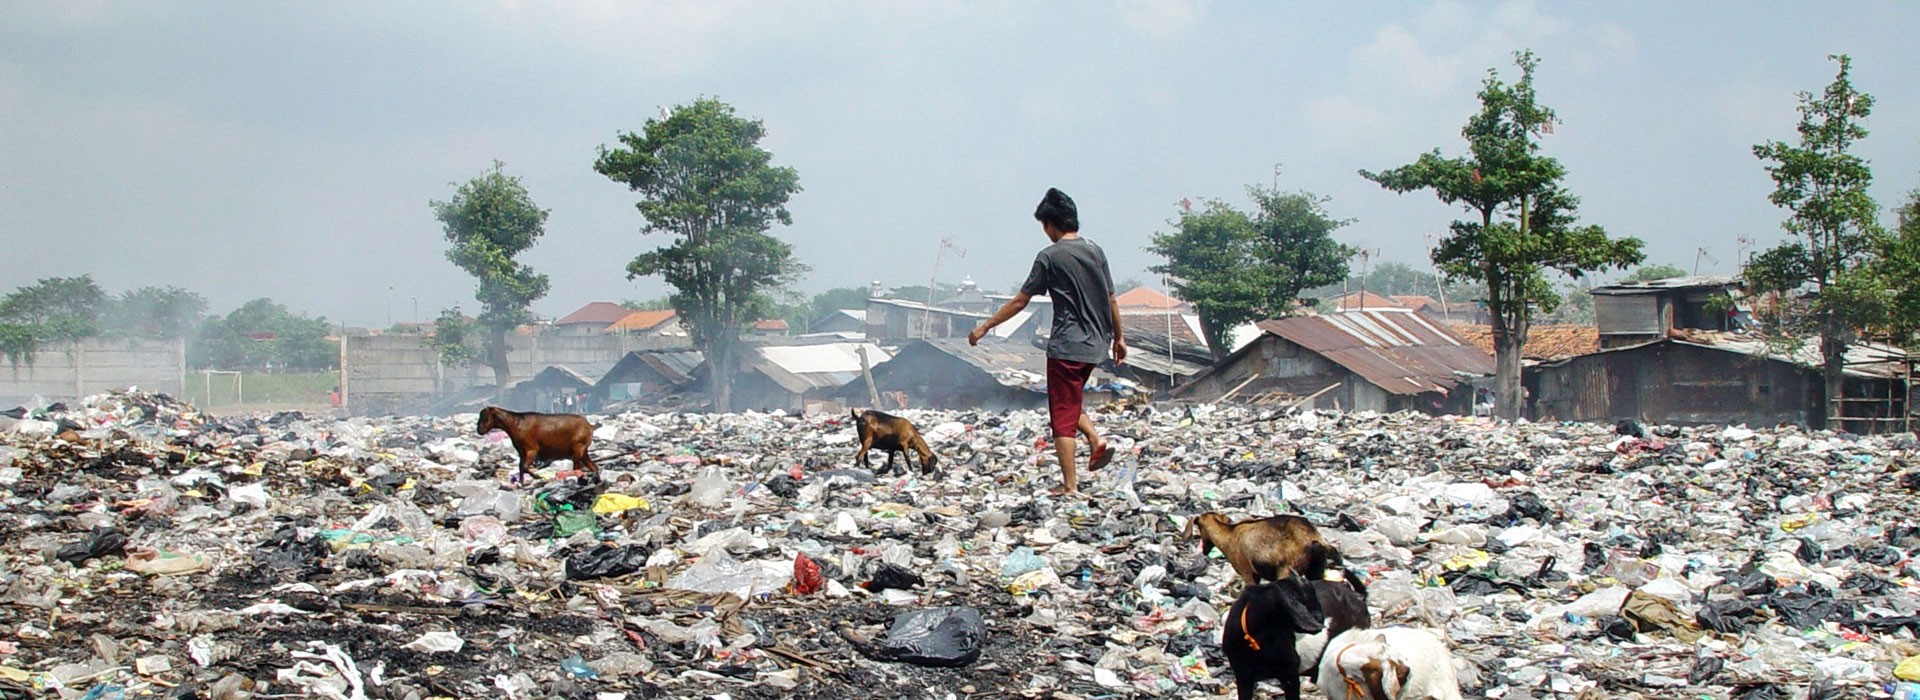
[(1097, 452), (1065, 384)]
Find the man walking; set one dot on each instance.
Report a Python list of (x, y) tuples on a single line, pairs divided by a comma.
[(1073, 273)]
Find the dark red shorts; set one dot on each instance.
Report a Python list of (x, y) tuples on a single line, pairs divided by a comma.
[(1066, 392)]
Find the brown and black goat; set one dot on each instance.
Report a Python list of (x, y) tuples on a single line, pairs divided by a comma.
[(893, 434), (542, 436)]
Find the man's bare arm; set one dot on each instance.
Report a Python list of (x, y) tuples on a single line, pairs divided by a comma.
[(1013, 306)]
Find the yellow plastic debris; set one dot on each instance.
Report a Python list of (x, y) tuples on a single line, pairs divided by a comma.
[(1908, 670), (255, 469), (15, 675), (1473, 559), (611, 503), (1798, 521)]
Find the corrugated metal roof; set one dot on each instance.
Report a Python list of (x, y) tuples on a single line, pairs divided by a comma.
[(1395, 349), (1668, 284), (801, 368), (584, 373), (1864, 360)]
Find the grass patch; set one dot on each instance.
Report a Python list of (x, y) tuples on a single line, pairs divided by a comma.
[(260, 388)]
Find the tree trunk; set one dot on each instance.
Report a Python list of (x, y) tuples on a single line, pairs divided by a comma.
[(1833, 353), (1509, 337), (1216, 344), (720, 372), (497, 359)]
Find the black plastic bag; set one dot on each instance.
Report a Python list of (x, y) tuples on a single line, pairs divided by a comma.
[(1704, 669), (579, 493), (1630, 428), (606, 561), (1809, 552), (1866, 584), (784, 486), (1801, 609), (1824, 689), (888, 575), (1881, 556), (1527, 504), (1764, 691), (1617, 629), (1596, 558), (103, 541), (1725, 616), (950, 636)]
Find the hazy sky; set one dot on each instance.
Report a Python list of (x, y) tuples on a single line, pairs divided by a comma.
[(289, 150)]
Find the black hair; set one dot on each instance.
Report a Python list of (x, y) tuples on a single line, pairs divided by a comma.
[(1057, 209)]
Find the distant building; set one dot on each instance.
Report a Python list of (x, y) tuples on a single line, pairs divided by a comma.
[(996, 375), (1640, 312), (651, 376), (1706, 377), (770, 326), (897, 320), (791, 377), (663, 322), (1362, 301), (1388, 359), (590, 319), (840, 321), (559, 389)]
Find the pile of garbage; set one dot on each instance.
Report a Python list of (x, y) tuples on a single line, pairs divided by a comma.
[(147, 549)]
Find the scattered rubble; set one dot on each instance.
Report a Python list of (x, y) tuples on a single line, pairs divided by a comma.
[(147, 549)]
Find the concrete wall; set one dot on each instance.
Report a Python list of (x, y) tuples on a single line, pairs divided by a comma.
[(403, 374), (92, 366)]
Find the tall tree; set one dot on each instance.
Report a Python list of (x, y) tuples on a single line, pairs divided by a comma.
[(1526, 223), (1235, 267), (56, 309), (704, 180), (1898, 267), (264, 335), (491, 219), (1834, 223)]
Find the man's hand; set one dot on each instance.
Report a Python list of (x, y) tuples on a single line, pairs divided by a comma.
[(1119, 351), (974, 336)]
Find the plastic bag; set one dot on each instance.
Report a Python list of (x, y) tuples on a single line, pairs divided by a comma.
[(103, 541), (892, 576), (948, 637), (606, 561), (1021, 561), (806, 575)]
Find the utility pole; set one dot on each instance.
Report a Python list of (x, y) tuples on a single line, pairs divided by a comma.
[(926, 317)]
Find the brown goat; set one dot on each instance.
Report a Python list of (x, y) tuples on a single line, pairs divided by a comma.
[(542, 436), (893, 434), (1264, 548)]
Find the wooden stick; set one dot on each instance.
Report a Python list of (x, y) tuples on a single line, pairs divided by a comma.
[(1243, 385)]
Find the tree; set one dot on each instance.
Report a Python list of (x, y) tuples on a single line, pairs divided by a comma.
[(839, 298), (661, 304), (452, 335), (154, 312), (1834, 225), (56, 309), (1897, 267), (704, 180), (1656, 271), (1235, 267), (491, 219), (263, 335), (1526, 218)]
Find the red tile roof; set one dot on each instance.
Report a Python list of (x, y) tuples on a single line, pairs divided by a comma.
[(599, 313), (1546, 342), (1145, 298), (642, 320), (1357, 301)]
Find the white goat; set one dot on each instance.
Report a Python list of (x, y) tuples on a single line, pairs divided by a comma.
[(1394, 663)]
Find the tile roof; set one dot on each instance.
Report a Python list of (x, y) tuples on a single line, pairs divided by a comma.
[(1145, 298), (1395, 349), (1544, 342), (1356, 301), (600, 313), (642, 320)]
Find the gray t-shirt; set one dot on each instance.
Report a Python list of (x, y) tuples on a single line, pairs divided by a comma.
[(1073, 272)]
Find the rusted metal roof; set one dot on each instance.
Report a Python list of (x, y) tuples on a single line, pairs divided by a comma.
[(1395, 349)]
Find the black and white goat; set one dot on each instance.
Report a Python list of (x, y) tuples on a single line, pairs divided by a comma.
[(1261, 629)]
